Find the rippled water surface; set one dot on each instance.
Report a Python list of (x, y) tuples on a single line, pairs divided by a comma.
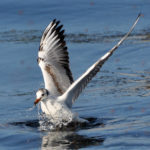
[(116, 102)]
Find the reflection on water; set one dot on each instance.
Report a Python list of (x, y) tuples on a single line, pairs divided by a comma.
[(67, 137), (68, 140)]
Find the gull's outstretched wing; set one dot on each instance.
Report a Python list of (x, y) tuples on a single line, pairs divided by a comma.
[(76, 88), (53, 59)]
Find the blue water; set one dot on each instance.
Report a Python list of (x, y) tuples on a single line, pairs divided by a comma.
[(116, 100)]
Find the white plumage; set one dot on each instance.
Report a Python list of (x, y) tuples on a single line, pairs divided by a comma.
[(60, 91)]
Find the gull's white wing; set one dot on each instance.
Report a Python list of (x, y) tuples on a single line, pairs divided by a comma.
[(53, 60), (76, 88)]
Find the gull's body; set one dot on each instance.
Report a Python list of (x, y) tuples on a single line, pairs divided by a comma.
[(61, 90)]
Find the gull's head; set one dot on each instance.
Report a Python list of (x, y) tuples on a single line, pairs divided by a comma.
[(41, 94)]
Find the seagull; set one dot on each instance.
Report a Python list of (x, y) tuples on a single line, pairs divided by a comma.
[(61, 90)]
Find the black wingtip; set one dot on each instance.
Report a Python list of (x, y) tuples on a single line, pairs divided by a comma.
[(140, 14), (55, 21)]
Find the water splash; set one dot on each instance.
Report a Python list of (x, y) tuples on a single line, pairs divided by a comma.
[(31, 108), (61, 119)]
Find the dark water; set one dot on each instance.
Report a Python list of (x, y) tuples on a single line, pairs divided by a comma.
[(116, 102)]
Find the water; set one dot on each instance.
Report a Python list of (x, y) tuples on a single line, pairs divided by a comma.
[(116, 102)]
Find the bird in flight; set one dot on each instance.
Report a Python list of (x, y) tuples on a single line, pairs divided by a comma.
[(61, 90)]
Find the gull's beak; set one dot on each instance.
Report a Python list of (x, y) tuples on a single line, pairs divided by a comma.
[(36, 101)]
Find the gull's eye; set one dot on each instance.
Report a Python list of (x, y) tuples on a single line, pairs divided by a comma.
[(42, 94)]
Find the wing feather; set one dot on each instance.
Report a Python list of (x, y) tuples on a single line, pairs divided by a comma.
[(76, 88), (53, 59)]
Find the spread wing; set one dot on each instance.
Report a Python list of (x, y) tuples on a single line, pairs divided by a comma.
[(76, 88), (53, 59)]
